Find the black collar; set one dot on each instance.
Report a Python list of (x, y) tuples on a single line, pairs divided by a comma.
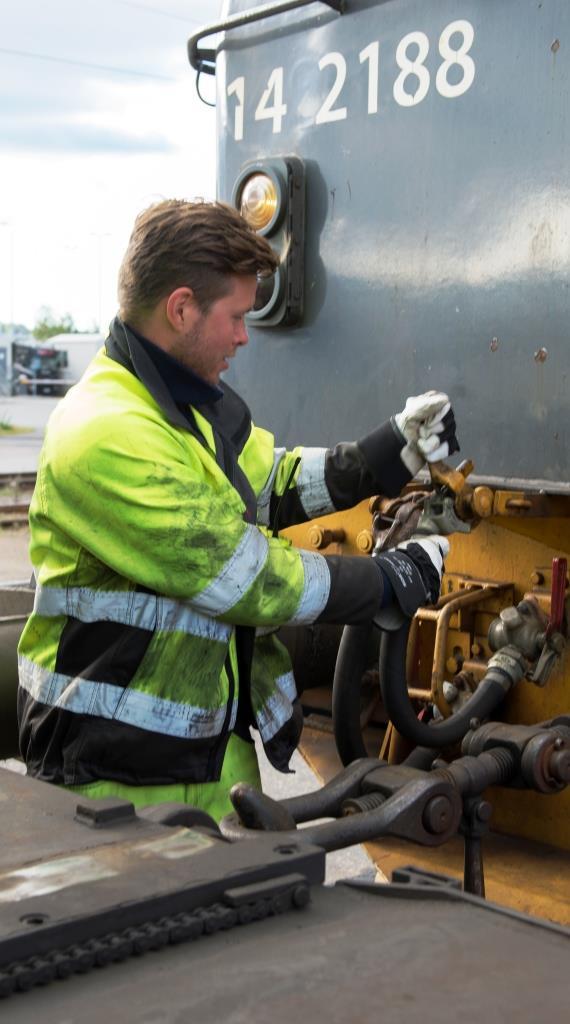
[(226, 412), (185, 386)]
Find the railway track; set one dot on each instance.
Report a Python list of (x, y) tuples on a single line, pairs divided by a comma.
[(15, 494)]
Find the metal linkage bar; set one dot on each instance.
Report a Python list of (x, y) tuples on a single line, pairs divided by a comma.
[(370, 799)]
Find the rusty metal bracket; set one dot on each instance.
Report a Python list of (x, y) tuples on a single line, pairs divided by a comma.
[(447, 606)]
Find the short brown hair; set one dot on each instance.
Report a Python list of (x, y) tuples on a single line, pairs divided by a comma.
[(197, 245)]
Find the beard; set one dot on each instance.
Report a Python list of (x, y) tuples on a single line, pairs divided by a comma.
[(185, 345), (191, 350)]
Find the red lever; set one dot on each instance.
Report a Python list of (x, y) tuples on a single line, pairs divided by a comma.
[(557, 595)]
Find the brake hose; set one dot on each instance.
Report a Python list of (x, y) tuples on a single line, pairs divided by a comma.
[(349, 669)]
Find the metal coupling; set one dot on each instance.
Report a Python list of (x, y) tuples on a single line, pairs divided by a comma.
[(524, 627), (545, 763), (526, 756), (507, 667)]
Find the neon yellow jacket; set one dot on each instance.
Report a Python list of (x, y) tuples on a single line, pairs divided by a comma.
[(153, 568)]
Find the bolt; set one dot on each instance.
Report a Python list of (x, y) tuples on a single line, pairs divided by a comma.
[(483, 811), (450, 692), (555, 46), (437, 815), (365, 541), (558, 743), (541, 355), (511, 617), (537, 579), (482, 501), (319, 537), (494, 344), (474, 724)]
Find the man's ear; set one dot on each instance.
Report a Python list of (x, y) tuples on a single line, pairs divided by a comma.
[(182, 310)]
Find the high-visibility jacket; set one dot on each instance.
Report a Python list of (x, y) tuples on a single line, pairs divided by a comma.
[(154, 565)]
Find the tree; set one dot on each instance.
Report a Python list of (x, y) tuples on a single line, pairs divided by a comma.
[(47, 324)]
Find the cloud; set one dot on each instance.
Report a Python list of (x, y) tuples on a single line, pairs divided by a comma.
[(61, 70), (84, 147), (64, 136)]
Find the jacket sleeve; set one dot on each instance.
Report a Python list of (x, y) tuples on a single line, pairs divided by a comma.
[(161, 517), (309, 482), (151, 510)]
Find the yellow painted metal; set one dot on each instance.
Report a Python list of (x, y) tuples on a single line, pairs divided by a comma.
[(516, 548), (351, 522)]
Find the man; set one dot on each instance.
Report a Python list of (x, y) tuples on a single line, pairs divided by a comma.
[(153, 537)]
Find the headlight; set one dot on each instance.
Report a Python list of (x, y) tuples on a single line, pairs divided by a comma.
[(270, 195), (258, 201)]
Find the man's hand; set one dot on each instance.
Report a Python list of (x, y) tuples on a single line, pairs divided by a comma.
[(427, 424), (414, 570)]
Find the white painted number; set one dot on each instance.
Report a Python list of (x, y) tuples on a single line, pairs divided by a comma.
[(371, 54), (458, 56), (409, 67), (277, 112), (327, 113), (454, 76), (238, 87)]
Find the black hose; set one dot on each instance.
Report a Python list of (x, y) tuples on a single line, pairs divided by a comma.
[(351, 664), (400, 711)]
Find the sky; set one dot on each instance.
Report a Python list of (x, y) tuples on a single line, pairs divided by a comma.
[(99, 117)]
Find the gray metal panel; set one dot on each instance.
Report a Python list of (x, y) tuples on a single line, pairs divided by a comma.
[(432, 229), (351, 956)]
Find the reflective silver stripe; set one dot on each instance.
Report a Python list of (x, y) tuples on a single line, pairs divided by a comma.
[(311, 486), (265, 496), (316, 588), (277, 710), (237, 575), (133, 707), (145, 611)]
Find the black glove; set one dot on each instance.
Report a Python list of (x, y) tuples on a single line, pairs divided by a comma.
[(414, 570)]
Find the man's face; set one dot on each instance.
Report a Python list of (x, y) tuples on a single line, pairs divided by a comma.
[(215, 336)]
